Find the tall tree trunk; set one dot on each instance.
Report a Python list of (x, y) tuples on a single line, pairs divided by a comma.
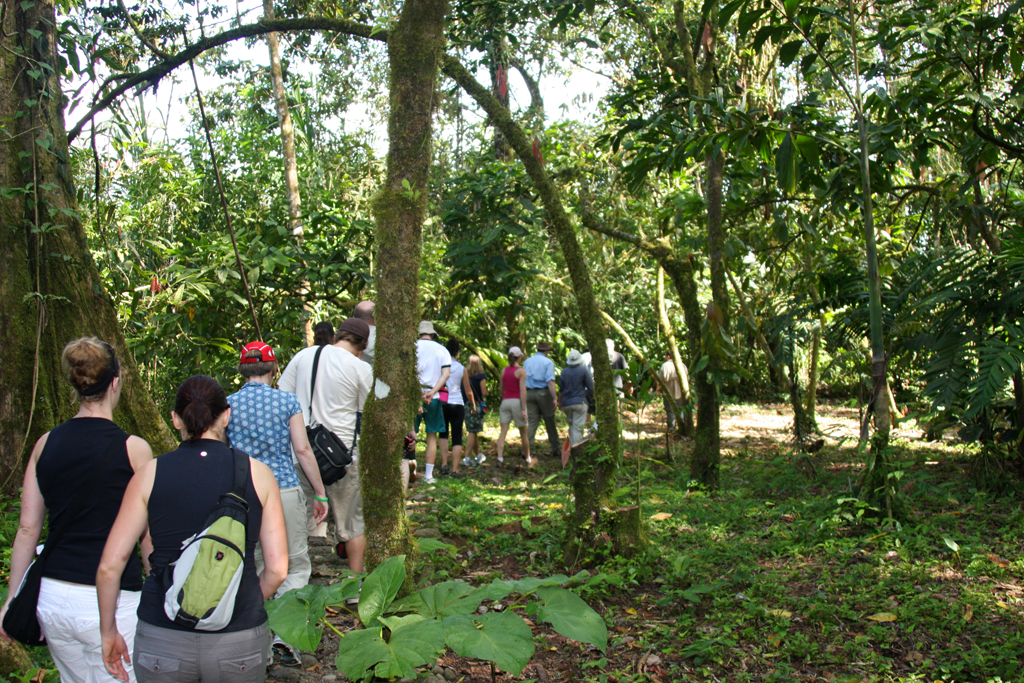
[(593, 475), (875, 483), (291, 165), (707, 446), (415, 50), (50, 290)]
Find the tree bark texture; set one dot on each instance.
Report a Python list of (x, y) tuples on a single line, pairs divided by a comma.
[(415, 50), (50, 289), (593, 477)]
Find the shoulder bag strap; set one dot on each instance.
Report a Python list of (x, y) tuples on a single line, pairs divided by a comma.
[(75, 506), (241, 473), (312, 381)]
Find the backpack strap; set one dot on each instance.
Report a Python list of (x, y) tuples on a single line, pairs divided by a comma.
[(312, 382), (241, 473)]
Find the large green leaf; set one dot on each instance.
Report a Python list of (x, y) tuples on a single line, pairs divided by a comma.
[(499, 637), (442, 600), (295, 617), (338, 593), (570, 616), (380, 588), (786, 165), (359, 652), (413, 642)]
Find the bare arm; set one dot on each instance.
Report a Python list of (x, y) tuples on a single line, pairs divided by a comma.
[(30, 526), (521, 374), (446, 372), (131, 523), (467, 391), (553, 389), (273, 537), (307, 461)]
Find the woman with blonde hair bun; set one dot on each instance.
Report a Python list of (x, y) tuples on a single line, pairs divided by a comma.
[(84, 463)]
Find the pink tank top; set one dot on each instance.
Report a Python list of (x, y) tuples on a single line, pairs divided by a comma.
[(510, 383)]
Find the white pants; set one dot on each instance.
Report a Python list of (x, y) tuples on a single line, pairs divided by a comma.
[(69, 617), (293, 502)]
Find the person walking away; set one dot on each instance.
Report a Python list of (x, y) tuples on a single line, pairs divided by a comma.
[(454, 409), (174, 495), (512, 388), (576, 387), (618, 362), (672, 401), (62, 462), (433, 367), (342, 385), (475, 416), (267, 424), (323, 333), (364, 311), (541, 394)]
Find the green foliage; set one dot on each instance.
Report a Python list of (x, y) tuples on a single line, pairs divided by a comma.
[(421, 624)]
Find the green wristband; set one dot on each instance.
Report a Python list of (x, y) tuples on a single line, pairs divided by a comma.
[(322, 500)]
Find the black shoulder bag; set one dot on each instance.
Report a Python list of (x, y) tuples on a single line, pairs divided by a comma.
[(20, 622), (332, 456)]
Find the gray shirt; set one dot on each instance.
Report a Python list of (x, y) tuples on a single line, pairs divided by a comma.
[(576, 384)]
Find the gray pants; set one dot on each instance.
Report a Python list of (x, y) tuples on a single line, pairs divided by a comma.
[(576, 416), (541, 404), (163, 655), (673, 412)]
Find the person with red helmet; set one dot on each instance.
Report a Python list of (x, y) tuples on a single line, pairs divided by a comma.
[(267, 424)]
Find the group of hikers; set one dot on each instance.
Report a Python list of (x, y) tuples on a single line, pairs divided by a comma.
[(116, 514)]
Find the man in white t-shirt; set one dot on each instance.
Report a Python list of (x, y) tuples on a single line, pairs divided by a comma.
[(433, 366), (343, 382)]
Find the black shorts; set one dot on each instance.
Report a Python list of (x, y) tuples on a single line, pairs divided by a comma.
[(453, 417)]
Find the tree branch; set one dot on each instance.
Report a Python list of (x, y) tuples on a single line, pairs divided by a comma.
[(153, 74)]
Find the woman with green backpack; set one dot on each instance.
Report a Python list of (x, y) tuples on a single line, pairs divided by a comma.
[(177, 495)]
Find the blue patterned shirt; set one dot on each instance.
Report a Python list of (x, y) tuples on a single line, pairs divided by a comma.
[(259, 426)]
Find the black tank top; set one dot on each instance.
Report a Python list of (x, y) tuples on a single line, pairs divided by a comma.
[(188, 483), (72, 452)]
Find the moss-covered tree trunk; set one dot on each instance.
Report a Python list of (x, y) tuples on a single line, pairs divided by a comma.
[(50, 290), (593, 475), (415, 49)]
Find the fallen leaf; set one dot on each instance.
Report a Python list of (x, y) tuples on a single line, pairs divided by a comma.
[(883, 616), (630, 610), (1002, 604), (998, 560), (785, 614), (661, 516), (968, 613)]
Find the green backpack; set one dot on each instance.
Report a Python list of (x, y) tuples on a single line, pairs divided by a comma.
[(201, 584)]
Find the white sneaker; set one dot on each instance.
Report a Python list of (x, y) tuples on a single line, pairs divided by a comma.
[(480, 459), (429, 480), (467, 462)]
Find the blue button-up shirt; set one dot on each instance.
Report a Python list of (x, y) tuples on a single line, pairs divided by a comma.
[(539, 371), (259, 426)]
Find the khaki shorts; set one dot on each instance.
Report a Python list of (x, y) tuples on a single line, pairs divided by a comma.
[(346, 498), (511, 410)]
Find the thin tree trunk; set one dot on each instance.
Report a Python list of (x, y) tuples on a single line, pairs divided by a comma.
[(291, 166), (415, 50), (685, 425), (50, 290), (875, 483), (813, 377), (706, 457), (593, 475)]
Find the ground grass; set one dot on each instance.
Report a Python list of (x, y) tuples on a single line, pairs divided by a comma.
[(778, 576)]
